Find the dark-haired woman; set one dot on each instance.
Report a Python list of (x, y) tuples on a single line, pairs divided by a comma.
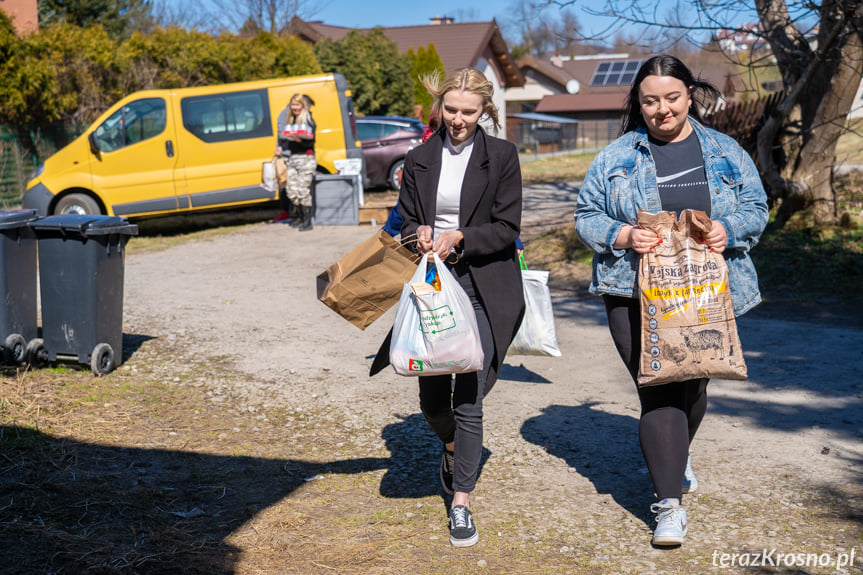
[(667, 160)]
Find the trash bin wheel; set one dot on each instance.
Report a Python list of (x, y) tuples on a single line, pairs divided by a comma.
[(15, 348), (36, 352), (102, 360)]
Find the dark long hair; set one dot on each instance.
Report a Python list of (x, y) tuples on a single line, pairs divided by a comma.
[(703, 93)]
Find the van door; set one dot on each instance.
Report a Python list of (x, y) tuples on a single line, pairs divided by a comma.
[(224, 140), (133, 171)]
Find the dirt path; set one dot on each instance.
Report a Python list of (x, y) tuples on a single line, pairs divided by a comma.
[(779, 458)]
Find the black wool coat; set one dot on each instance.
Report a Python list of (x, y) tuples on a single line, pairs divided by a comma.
[(489, 218)]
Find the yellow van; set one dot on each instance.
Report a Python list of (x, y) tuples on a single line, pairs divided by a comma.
[(164, 152)]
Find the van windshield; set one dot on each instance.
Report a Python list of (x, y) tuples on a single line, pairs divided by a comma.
[(135, 122)]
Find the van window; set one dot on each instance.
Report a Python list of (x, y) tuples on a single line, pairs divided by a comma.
[(227, 117), (135, 122)]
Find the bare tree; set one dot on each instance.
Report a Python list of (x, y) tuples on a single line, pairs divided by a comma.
[(818, 49), (272, 16), (543, 31)]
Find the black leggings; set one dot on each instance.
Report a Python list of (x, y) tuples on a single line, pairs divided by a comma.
[(670, 413)]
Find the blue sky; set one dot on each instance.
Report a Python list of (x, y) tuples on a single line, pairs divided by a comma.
[(388, 13), (370, 13)]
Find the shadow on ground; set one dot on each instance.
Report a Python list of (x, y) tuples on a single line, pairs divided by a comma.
[(600, 446), (72, 507)]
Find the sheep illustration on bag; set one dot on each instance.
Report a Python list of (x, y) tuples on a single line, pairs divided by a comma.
[(698, 341)]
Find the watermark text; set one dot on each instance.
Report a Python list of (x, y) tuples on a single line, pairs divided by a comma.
[(774, 558)]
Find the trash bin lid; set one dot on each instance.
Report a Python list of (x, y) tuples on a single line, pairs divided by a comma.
[(85, 225), (111, 225), (12, 219)]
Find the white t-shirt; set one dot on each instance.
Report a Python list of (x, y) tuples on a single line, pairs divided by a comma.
[(454, 160)]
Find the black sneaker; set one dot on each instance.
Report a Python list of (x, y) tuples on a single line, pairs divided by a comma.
[(447, 463), (462, 531)]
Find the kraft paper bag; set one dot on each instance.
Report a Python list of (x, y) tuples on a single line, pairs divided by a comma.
[(281, 166), (368, 281), (688, 330)]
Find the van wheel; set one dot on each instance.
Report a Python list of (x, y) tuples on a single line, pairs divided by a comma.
[(395, 179), (78, 204)]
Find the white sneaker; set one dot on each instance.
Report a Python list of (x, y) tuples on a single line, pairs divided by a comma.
[(690, 483), (670, 522)]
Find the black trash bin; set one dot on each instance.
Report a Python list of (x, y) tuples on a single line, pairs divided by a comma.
[(18, 312), (81, 269)]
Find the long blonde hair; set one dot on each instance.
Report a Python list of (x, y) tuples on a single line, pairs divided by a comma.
[(304, 116), (467, 79)]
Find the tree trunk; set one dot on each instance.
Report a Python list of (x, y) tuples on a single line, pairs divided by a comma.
[(797, 146)]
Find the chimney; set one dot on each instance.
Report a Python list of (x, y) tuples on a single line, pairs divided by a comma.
[(438, 20)]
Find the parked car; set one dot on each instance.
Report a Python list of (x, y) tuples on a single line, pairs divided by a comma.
[(386, 140)]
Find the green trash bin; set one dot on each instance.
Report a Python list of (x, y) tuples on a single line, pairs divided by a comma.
[(81, 272), (18, 312)]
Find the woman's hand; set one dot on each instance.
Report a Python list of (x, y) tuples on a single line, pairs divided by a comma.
[(637, 239), (446, 243), (716, 238), (424, 239)]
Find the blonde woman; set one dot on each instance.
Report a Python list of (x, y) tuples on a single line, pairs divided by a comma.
[(296, 142), (461, 193)]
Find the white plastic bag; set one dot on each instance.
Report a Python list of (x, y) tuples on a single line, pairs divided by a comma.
[(536, 336), (435, 332), (268, 177)]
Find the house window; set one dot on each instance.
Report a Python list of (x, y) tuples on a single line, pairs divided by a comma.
[(615, 73)]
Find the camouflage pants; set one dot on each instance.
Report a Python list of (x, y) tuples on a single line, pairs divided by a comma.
[(301, 172)]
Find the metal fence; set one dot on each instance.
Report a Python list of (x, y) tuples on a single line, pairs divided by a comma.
[(538, 137), (20, 154)]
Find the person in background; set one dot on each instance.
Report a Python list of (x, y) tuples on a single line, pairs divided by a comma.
[(461, 196), (296, 143), (667, 160)]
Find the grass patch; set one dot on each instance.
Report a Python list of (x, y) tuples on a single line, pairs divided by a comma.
[(556, 169)]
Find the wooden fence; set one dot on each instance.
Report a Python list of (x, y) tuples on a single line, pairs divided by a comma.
[(743, 120)]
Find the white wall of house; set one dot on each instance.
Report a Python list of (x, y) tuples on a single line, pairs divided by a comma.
[(498, 98)]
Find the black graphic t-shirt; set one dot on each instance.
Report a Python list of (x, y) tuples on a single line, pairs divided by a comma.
[(680, 175)]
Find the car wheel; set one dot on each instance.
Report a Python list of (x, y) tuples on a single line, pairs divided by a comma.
[(395, 178), (78, 204)]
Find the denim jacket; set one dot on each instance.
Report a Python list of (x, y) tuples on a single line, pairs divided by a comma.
[(621, 181)]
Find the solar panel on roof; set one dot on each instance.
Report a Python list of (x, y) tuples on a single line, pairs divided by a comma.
[(615, 73)]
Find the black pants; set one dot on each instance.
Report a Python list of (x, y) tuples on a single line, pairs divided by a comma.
[(670, 413), (453, 409)]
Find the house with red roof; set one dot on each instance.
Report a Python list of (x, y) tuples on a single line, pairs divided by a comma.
[(477, 45)]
